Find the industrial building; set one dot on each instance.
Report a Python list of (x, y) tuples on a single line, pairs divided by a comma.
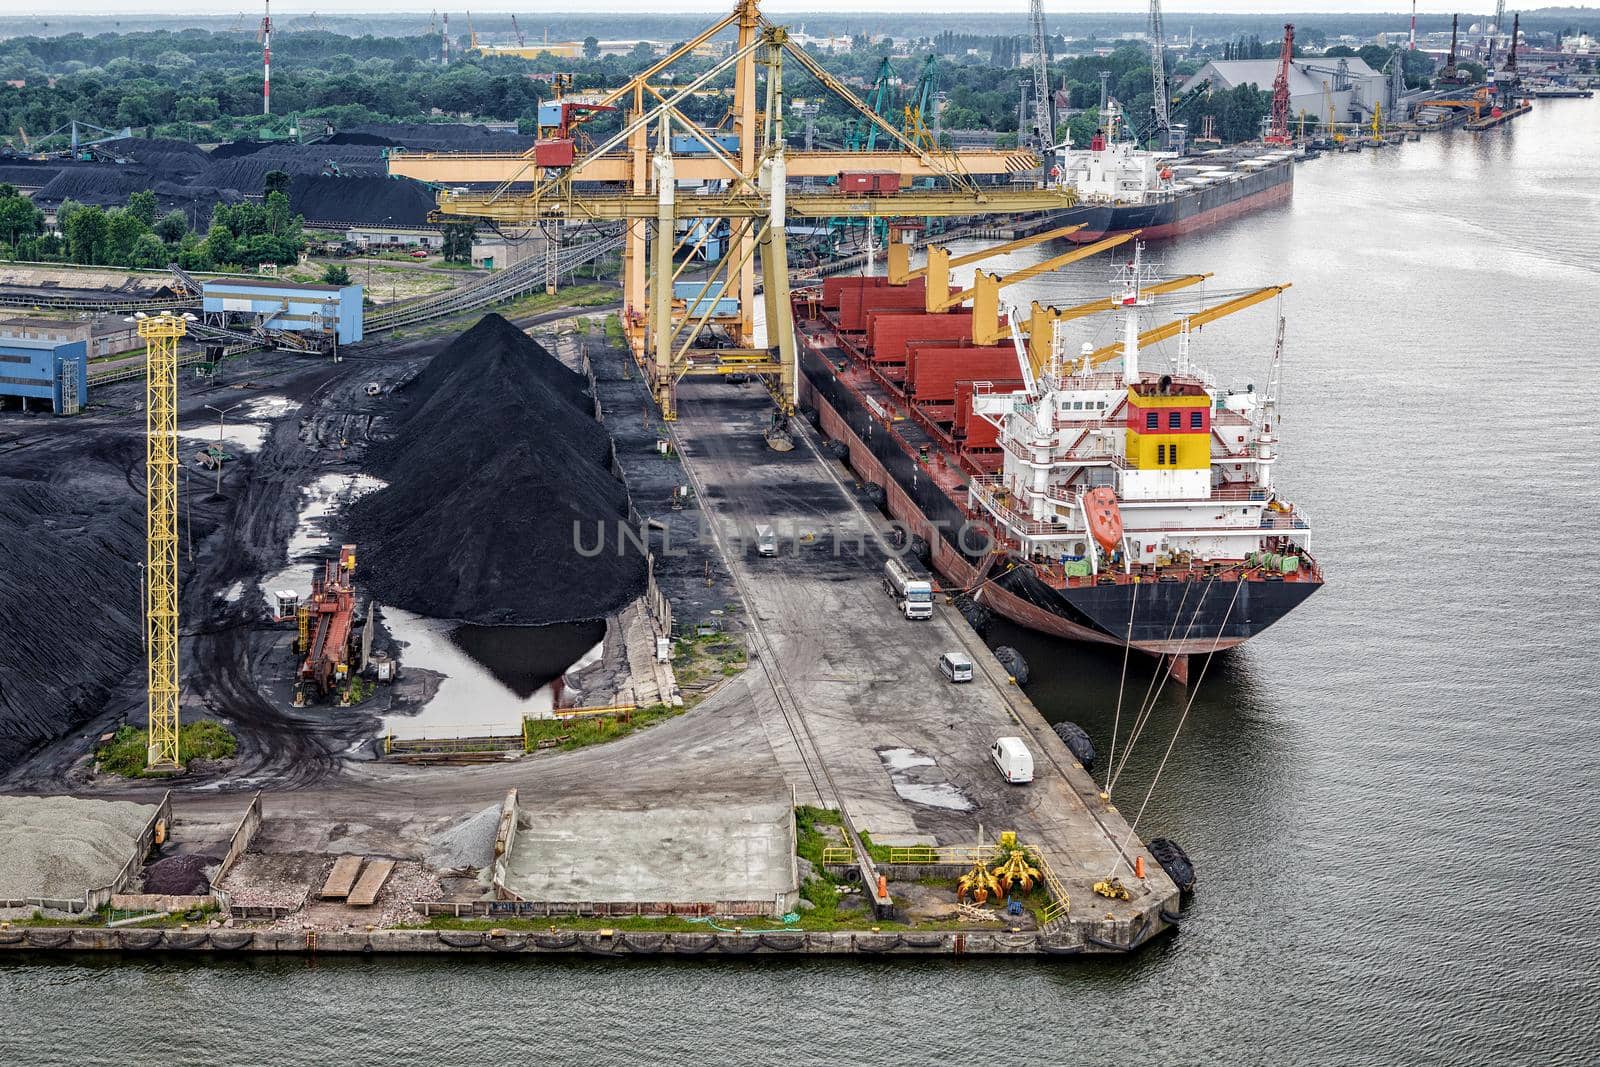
[(1346, 85), (37, 369), (102, 338), (394, 237), (290, 314)]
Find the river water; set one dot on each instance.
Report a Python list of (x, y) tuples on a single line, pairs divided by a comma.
[(1390, 797)]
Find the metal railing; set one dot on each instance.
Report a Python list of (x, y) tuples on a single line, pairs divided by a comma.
[(513, 281)]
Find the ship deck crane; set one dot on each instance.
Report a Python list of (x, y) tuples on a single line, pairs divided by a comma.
[(641, 185)]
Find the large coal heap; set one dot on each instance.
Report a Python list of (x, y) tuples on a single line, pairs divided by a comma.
[(360, 201), (496, 467), (66, 544)]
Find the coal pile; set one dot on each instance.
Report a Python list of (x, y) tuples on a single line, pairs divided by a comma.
[(497, 473), (433, 137), (179, 875), (248, 173), (163, 155), (360, 201), (62, 656)]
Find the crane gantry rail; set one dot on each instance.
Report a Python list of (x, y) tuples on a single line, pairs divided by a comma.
[(635, 176)]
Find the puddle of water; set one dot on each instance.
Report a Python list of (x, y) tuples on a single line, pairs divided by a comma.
[(903, 759), (916, 778), (934, 795), (310, 542), (494, 676), (233, 592), (269, 407), (236, 436)]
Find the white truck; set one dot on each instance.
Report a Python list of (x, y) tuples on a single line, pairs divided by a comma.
[(915, 595)]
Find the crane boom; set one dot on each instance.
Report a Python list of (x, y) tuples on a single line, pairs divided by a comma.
[(1158, 71), (1278, 132), (1044, 125), (1199, 318)]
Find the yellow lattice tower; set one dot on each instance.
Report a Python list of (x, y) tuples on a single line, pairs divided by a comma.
[(160, 334)]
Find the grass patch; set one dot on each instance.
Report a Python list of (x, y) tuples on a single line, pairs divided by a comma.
[(127, 751), (581, 733), (616, 337), (578, 296)]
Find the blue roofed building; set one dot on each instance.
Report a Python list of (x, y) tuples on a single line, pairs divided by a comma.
[(42, 372)]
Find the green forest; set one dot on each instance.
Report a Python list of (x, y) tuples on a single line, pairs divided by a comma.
[(241, 236), (206, 86)]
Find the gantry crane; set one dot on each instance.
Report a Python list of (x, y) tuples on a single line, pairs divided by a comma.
[(634, 177), (160, 334)]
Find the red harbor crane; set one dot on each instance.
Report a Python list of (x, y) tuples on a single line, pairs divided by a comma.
[(1278, 130)]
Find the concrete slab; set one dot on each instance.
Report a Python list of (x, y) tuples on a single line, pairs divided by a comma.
[(682, 853)]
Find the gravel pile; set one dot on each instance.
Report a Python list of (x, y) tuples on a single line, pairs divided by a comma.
[(180, 875), (61, 846), (467, 844), (84, 536), (496, 469)]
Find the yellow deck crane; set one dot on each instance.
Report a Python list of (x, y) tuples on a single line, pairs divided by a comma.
[(629, 179), (160, 334)]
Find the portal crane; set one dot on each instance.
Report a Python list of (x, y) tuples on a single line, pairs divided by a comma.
[(1278, 131), (746, 168), (1044, 130), (522, 42), (1162, 117)]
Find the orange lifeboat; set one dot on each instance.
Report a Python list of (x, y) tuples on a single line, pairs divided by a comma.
[(1105, 518)]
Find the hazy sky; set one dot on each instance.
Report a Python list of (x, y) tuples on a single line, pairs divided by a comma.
[(1053, 8)]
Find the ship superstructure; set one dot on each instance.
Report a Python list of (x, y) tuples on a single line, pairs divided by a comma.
[(1093, 496), (1190, 464)]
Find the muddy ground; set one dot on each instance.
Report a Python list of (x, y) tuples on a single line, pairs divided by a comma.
[(232, 655)]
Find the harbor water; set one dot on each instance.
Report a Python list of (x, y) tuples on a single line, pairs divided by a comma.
[(1391, 797)]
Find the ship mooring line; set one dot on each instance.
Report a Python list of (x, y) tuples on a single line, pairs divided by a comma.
[(1152, 691), (1194, 691), (1122, 681)]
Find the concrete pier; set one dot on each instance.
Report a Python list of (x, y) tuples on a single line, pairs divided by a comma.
[(857, 703)]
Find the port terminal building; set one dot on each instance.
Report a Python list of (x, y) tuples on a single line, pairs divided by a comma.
[(311, 316), (1346, 83), (40, 371)]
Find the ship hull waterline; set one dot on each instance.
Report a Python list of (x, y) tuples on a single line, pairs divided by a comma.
[(1170, 218)]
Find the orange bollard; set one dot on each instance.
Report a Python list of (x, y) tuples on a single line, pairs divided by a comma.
[(1138, 866), (883, 885)]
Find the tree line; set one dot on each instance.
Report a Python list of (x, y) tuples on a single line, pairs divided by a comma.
[(241, 236)]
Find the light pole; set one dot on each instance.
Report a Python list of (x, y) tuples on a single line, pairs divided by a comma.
[(144, 630), (221, 416)]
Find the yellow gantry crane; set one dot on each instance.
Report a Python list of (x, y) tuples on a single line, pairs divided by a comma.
[(160, 334), (637, 177)]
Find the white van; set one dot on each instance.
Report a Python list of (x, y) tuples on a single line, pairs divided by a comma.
[(1013, 759), (766, 541), (957, 666)]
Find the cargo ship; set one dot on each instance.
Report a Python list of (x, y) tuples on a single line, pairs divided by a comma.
[(1094, 498), (1122, 188)]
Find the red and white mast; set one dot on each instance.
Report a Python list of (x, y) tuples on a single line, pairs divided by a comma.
[(266, 60), (1413, 25)]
